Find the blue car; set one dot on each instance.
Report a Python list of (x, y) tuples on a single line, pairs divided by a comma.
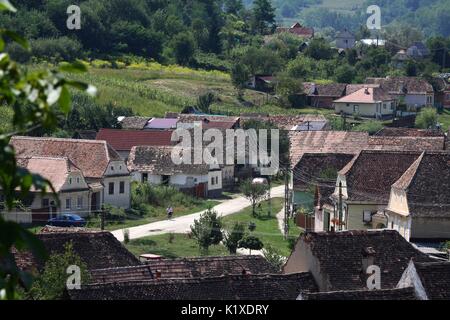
[(67, 220)]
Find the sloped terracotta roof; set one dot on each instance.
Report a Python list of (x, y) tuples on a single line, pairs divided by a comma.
[(435, 278), (135, 123), (340, 254), (196, 267), (124, 140), (352, 88), (297, 29), (406, 143), (408, 132), (427, 185), (370, 175), (158, 160), (98, 249), (228, 287), (55, 170), (399, 85), (302, 142), (366, 95), (90, 156), (384, 294)]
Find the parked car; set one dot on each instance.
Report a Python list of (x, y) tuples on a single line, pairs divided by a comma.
[(67, 220)]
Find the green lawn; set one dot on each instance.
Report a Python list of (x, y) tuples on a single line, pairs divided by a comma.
[(159, 214), (266, 226), (179, 246)]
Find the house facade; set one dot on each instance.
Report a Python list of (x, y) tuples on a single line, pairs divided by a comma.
[(366, 102), (105, 173), (345, 40), (419, 202)]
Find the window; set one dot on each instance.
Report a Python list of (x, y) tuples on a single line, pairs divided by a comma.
[(111, 188), (120, 167), (68, 203), (384, 105), (45, 203), (145, 177), (122, 187), (367, 216), (70, 180), (212, 180), (78, 180), (217, 180), (80, 202), (112, 168), (356, 108), (392, 224)]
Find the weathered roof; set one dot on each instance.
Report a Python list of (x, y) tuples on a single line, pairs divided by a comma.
[(427, 185), (158, 160), (98, 249), (161, 123), (370, 174), (412, 143), (366, 95), (435, 278), (285, 122), (136, 123), (334, 90), (383, 294), (297, 29), (228, 287), (408, 132), (55, 170), (401, 85), (90, 156), (340, 255), (124, 140), (302, 142), (196, 267)]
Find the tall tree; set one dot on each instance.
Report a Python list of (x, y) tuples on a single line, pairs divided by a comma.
[(263, 16)]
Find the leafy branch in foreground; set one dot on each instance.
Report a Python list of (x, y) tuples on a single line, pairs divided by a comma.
[(36, 98)]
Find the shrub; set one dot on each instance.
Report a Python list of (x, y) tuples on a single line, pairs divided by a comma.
[(273, 256), (126, 236), (371, 126), (233, 237), (427, 118), (251, 242), (207, 230)]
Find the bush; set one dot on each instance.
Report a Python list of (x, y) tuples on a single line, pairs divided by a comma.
[(427, 118), (233, 237), (251, 242), (207, 230), (56, 49), (371, 127), (273, 256), (126, 236)]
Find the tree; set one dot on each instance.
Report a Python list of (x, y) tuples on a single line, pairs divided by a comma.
[(233, 237), (51, 283), (233, 6), (35, 97), (273, 256), (183, 45), (207, 230), (205, 101), (251, 242), (319, 49), (427, 118), (345, 74), (263, 16), (254, 192), (287, 87), (239, 78)]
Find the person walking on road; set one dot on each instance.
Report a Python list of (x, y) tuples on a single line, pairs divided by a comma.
[(169, 212)]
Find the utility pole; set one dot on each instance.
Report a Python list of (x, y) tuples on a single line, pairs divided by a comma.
[(270, 198), (286, 202), (340, 204)]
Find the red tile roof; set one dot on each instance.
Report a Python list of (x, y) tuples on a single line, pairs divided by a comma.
[(366, 95), (90, 156), (124, 140)]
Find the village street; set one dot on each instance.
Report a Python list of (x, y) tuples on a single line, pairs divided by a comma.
[(182, 224)]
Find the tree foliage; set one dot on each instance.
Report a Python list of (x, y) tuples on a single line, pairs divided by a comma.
[(207, 230), (233, 236), (254, 192)]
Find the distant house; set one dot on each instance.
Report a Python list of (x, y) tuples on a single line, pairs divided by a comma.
[(154, 164), (339, 260), (366, 102), (362, 189), (105, 173), (134, 123), (306, 122), (323, 95), (124, 140), (373, 42), (414, 92), (298, 30), (400, 58), (419, 202), (430, 280), (345, 40), (265, 83), (418, 51)]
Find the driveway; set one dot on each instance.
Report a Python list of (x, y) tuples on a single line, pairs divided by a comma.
[(182, 224)]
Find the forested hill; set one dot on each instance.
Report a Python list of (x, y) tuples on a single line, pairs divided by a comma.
[(432, 17)]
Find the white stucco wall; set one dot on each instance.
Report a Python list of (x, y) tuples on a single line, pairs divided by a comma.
[(365, 109), (217, 176)]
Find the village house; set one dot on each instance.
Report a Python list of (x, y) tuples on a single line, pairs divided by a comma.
[(72, 193), (298, 30), (430, 280), (264, 83), (366, 102), (414, 92), (124, 140), (362, 189), (321, 95), (345, 40), (338, 261), (418, 51), (105, 173), (419, 202), (154, 164)]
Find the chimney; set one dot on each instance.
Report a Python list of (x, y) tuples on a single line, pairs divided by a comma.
[(368, 258), (366, 90), (157, 274)]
